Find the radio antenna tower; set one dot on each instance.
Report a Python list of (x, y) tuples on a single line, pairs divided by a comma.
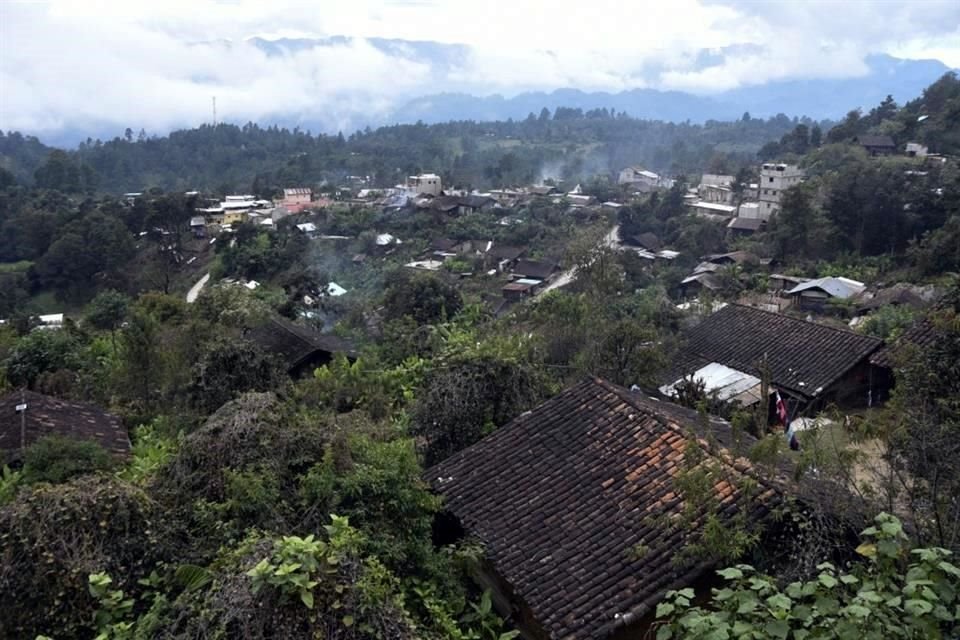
[(214, 110)]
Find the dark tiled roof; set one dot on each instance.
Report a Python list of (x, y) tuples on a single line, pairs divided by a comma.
[(563, 495), (294, 344), (542, 191), (445, 203), (921, 334), (738, 257), (49, 416), (535, 269), (506, 251), (476, 202), (746, 224), (875, 141), (648, 241), (444, 244), (803, 356)]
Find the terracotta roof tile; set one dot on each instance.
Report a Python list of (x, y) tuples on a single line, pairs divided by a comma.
[(561, 496)]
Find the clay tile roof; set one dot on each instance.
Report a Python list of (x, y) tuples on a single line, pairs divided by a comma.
[(563, 495), (803, 356), (475, 201), (49, 416), (746, 224), (445, 203), (444, 244), (921, 334), (535, 269), (648, 241), (294, 344), (875, 141), (506, 251)]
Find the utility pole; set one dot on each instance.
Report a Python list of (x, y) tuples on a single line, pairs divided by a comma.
[(214, 110), (22, 410)]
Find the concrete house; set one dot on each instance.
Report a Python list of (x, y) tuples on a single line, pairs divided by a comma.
[(774, 179), (638, 177), (716, 188), (297, 199), (425, 184)]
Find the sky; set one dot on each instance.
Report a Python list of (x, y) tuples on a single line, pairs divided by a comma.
[(156, 65)]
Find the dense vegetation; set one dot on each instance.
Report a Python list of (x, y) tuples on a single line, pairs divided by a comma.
[(258, 506)]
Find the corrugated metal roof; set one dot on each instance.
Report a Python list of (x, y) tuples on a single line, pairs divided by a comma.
[(836, 287), (727, 383)]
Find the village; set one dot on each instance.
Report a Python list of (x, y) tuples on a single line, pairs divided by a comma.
[(565, 403)]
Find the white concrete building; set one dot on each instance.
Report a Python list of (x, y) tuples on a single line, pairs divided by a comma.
[(752, 210), (774, 178), (716, 188), (425, 184), (638, 177)]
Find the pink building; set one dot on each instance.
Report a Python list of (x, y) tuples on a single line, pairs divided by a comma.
[(295, 200)]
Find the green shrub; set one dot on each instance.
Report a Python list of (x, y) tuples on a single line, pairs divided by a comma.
[(897, 592), (57, 459), (52, 537)]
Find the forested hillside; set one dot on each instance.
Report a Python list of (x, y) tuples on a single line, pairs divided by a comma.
[(565, 144)]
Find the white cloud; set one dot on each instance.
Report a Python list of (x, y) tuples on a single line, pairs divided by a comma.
[(122, 63)]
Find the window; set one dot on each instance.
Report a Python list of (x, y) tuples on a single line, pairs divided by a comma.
[(770, 178)]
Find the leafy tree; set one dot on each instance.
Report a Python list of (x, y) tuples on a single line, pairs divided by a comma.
[(227, 367), (924, 429), (42, 352), (142, 361), (424, 297), (7, 179), (463, 402), (107, 311), (625, 352), (895, 592)]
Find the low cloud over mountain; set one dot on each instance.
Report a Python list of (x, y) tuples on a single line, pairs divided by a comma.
[(69, 71)]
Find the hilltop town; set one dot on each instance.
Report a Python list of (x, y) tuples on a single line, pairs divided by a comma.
[(576, 376)]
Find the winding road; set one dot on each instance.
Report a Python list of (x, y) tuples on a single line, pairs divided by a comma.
[(196, 288)]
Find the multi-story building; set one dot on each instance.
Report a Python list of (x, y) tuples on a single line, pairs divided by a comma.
[(774, 178), (425, 184), (639, 178), (716, 188), (295, 200)]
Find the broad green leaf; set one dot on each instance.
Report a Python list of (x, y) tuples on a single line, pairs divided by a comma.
[(777, 629), (307, 598), (779, 601), (917, 607), (664, 633), (730, 573)]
